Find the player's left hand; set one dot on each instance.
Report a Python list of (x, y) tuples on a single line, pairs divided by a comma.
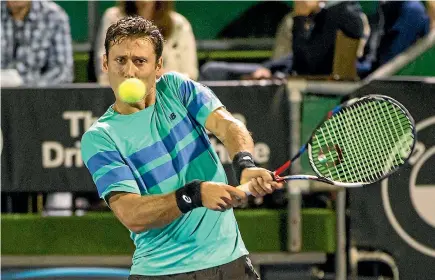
[(261, 180)]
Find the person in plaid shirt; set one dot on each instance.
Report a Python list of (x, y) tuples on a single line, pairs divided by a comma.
[(36, 42)]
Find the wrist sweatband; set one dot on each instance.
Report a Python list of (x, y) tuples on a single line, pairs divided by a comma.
[(241, 161), (188, 197)]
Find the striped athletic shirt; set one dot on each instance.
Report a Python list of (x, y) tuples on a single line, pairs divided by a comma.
[(156, 151)]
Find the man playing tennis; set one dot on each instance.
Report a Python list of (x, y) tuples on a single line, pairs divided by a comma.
[(154, 165)]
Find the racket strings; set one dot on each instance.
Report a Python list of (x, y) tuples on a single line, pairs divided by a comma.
[(347, 142), (385, 135), (328, 152), (381, 139), (363, 171), (396, 136), (332, 156), (374, 138), (382, 136), (359, 168), (406, 146), (349, 126), (346, 126)]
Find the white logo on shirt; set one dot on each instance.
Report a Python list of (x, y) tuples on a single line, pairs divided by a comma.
[(187, 199)]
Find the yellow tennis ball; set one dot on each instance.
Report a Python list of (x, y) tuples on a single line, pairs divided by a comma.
[(132, 90)]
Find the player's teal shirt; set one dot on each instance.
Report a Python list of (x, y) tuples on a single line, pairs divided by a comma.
[(155, 151)]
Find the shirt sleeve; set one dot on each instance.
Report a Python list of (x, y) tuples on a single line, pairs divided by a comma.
[(106, 165), (199, 100)]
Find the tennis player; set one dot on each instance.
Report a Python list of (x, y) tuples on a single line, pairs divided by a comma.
[(154, 165)]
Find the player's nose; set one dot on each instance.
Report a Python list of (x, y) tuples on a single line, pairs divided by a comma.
[(130, 70)]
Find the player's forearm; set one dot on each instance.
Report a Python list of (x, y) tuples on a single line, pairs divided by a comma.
[(237, 138), (148, 212), (230, 131)]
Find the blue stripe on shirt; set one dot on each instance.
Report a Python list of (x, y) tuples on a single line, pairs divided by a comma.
[(171, 168), (186, 89), (115, 175), (161, 148), (196, 104), (139, 181), (102, 159)]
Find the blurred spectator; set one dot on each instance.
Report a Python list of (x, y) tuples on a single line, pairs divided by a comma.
[(36, 42), (284, 37), (311, 33), (315, 30), (402, 24), (179, 52), (281, 59), (430, 5)]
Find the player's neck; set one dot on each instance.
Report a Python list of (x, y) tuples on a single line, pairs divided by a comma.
[(127, 109)]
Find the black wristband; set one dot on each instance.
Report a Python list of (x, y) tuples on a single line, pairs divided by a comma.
[(189, 196), (241, 161)]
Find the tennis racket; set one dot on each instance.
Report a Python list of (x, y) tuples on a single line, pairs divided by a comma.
[(360, 142)]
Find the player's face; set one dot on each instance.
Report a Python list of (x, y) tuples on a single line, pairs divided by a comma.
[(132, 58)]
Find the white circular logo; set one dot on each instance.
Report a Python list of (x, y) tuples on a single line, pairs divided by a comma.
[(187, 199), (421, 195)]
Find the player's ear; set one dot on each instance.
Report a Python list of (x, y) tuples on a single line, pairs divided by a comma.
[(105, 64), (159, 64)]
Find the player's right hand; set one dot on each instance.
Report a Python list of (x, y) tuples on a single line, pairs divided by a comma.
[(220, 197), (261, 180)]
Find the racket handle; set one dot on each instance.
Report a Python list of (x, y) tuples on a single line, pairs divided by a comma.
[(245, 188)]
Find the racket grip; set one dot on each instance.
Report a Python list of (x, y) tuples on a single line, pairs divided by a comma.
[(245, 188)]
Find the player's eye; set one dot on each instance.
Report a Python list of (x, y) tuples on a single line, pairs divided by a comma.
[(140, 61), (120, 60)]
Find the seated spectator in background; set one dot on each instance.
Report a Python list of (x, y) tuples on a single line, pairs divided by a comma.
[(430, 5), (36, 42), (313, 26), (281, 60), (179, 52), (402, 24), (284, 37), (315, 29)]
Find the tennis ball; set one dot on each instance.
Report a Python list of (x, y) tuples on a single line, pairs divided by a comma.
[(132, 90)]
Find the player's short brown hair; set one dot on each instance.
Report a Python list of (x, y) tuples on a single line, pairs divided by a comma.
[(134, 27)]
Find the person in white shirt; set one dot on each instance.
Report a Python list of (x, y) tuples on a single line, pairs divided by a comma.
[(180, 46)]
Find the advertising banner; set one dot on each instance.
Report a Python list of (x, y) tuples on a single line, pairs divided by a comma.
[(41, 131)]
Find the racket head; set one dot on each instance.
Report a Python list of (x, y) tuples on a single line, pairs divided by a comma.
[(362, 141)]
